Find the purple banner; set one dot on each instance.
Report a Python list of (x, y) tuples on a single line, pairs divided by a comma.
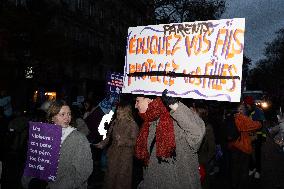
[(43, 151)]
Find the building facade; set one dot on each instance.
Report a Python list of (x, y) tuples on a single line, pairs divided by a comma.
[(66, 46)]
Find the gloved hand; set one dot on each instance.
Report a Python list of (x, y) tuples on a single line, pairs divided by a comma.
[(168, 100), (36, 183)]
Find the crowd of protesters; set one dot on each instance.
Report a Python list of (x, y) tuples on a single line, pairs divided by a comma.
[(178, 143)]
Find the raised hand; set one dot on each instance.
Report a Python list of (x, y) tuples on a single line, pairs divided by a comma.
[(169, 101)]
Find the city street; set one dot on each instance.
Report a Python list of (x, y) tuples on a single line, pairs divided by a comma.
[(272, 176), (273, 167), (88, 86)]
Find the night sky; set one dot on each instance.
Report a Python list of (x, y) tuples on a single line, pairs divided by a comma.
[(263, 19)]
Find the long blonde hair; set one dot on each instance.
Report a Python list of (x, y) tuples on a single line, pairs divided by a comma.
[(124, 112)]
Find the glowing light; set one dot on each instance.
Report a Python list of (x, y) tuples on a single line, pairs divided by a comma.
[(264, 104), (106, 119), (50, 95), (35, 96)]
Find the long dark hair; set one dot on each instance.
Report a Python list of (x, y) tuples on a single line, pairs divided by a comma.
[(201, 109)]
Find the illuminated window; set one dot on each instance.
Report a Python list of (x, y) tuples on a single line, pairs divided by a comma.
[(35, 96), (50, 95), (29, 74)]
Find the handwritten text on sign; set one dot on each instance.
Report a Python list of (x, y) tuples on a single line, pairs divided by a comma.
[(201, 60), (43, 151)]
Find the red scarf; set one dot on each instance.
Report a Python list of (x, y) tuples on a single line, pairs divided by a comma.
[(165, 137)]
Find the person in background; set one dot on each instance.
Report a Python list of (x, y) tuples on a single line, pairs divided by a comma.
[(79, 123), (5, 102), (122, 134), (207, 149), (258, 137), (3, 130), (168, 143), (15, 142), (92, 117), (75, 161), (241, 148), (41, 112), (89, 108)]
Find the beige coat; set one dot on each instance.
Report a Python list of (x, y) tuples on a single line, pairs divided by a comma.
[(120, 154), (180, 172)]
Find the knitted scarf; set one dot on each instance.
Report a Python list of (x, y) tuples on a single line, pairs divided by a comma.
[(165, 138)]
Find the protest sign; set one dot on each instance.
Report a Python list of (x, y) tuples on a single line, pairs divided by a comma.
[(200, 60), (113, 89), (114, 82), (43, 151)]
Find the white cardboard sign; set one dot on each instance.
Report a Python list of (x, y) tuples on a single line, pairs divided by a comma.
[(200, 60)]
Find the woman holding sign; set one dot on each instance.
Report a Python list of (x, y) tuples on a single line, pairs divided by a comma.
[(75, 160), (168, 143)]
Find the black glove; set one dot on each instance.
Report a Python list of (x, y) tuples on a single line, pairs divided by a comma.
[(36, 183), (168, 100)]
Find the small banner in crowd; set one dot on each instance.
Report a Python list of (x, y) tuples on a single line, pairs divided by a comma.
[(200, 60), (114, 82), (113, 89), (108, 105), (43, 151)]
